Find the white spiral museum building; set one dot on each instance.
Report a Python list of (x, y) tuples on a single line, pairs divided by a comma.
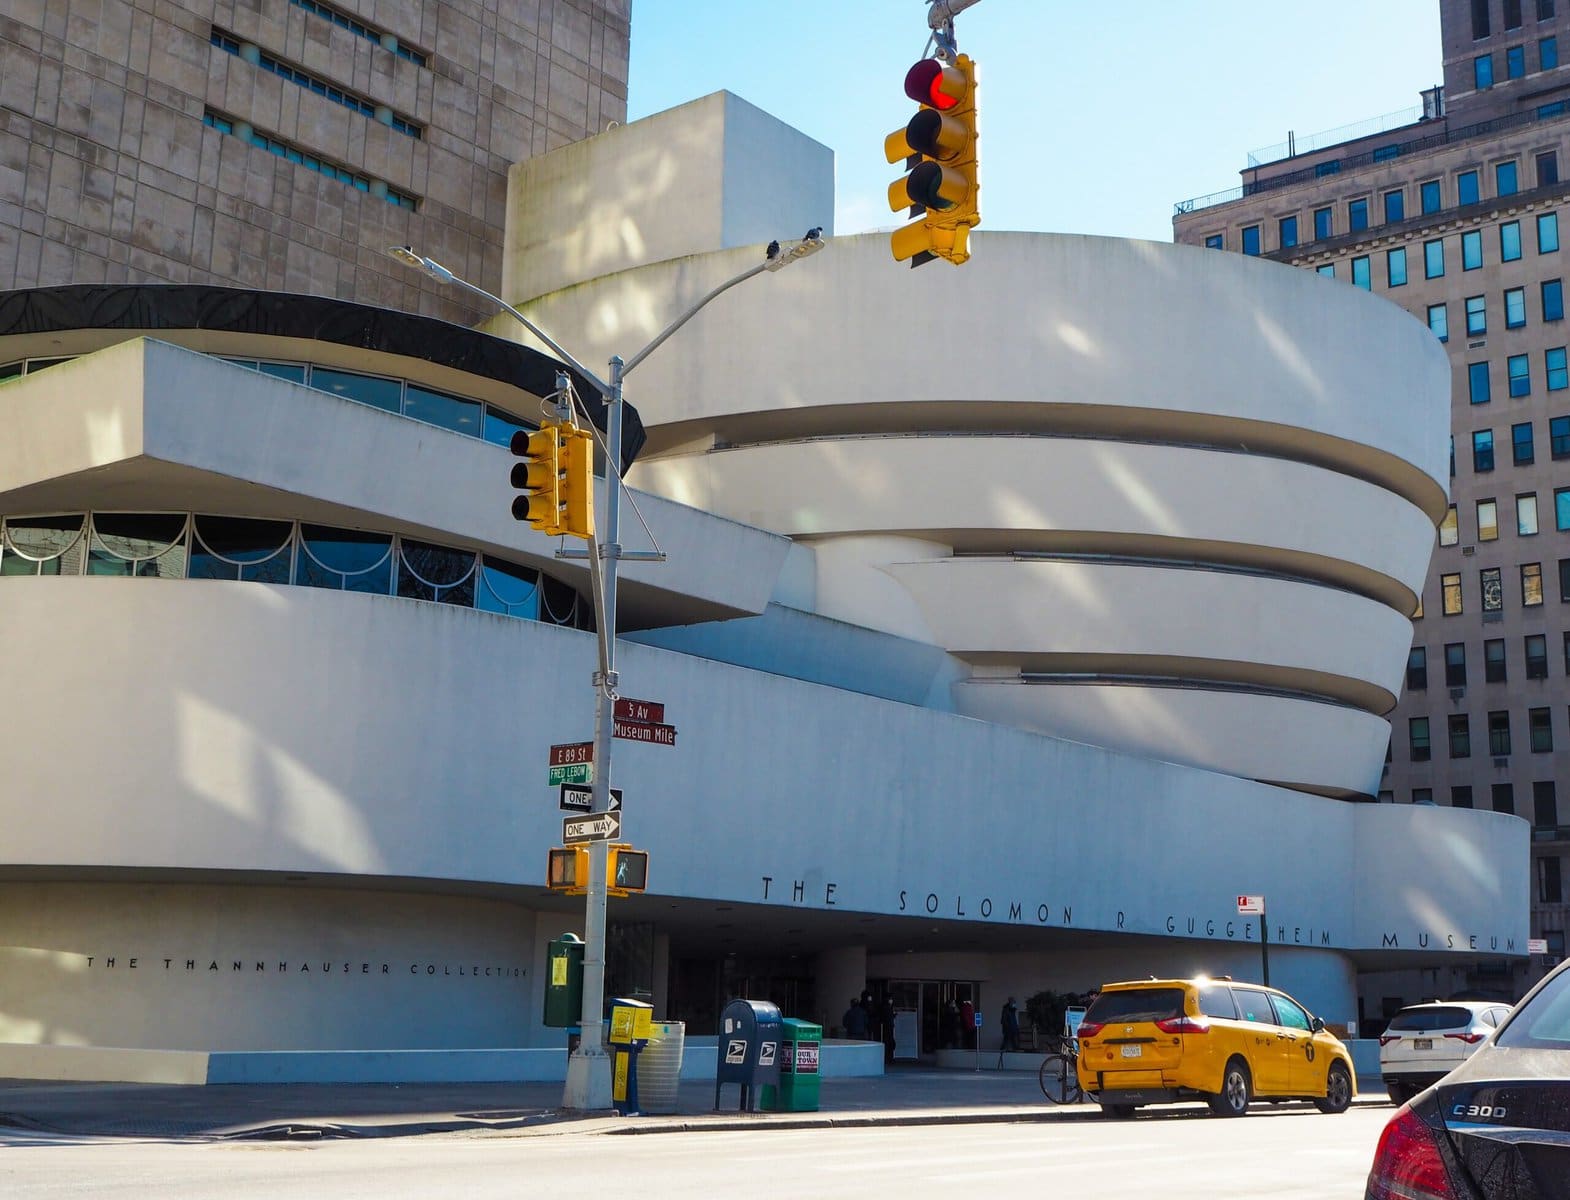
[(1015, 619)]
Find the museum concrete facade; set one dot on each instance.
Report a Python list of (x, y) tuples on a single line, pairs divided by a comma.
[(1004, 653)]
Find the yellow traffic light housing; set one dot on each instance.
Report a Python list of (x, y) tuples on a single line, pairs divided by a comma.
[(567, 870), (627, 870), (577, 488), (538, 478), (938, 147)]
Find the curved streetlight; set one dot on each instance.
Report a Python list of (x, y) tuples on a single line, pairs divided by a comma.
[(588, 1083)]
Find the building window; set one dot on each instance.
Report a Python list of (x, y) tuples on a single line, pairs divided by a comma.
[(1504, 798), (1472, 250), (1494, 660), (1476, 316), (1519, 370), (1545, 807), (1322, 224), (1439, 326), (1553, 300), (1536, 656), (1479, 20), (1213, 242), (1510, 241), (1478, 390), (1417, 669), (1450, 528), (1515, 62), (1429, 197), (1548, 888), (1548, 233), (1540, 727), (1547, 57), (1499, 733), (1328, 270), (1567, 635), (1487, 521), (1521, 451), (1531, 585), (1434, 258), (1395, 206), (1554, 368), (1512, 14), (1482, 451), (1483, 72), (1515, 308), (1395, 266), (1564, 586), (1286, 231), (1360, 273), (1251, 239), (1547, 168), (1450, 594), (1417, 739), (1467, 190), (1559, 437), (1505, 183), (1562, 509), (1493, 590), (1455, 664), (1526, 514), (1460, 796), (1357, 215), (1545, 9), (1460, 735)]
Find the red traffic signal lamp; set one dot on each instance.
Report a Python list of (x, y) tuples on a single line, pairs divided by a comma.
[(538, 478), (938, 147)]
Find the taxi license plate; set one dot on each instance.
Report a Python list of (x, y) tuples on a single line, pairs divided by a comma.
[(1132, 1051), (1422, 1043)]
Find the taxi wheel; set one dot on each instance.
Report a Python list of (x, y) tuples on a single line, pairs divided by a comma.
[(1119, 1112), (1236, 1090), (1338, 1090)]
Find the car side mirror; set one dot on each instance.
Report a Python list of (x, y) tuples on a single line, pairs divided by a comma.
[(1315, 1024)]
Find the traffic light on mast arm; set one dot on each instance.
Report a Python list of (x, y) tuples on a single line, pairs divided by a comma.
[(938, 148), (577, 482), (538, 478)]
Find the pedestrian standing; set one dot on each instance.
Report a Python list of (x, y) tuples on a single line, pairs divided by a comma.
[(1010, 1024)]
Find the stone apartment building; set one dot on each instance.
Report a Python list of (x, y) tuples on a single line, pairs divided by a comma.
[(1456, 213), (284, 144)]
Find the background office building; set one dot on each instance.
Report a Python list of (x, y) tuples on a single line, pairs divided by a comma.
[(1456, 211), (284, 144)]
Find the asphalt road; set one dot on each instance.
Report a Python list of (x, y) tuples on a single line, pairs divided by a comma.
[(1273, 1154)]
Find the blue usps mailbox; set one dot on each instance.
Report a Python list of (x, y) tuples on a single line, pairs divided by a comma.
[(749, 1050)]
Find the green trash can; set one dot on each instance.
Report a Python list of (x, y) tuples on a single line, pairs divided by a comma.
[(800, 1042)]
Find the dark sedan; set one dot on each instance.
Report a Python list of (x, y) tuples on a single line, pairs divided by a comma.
[(1498, 1126)]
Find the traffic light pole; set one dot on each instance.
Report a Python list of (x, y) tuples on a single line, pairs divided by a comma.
[(589, 1069)]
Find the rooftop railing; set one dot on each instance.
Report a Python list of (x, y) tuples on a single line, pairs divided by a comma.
[(1307, 144), (1417, 145)]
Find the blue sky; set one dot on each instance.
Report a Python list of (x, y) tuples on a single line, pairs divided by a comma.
[(1095, 118)]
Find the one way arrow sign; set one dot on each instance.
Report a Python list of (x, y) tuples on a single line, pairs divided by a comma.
[(579, 798), (601, 827)]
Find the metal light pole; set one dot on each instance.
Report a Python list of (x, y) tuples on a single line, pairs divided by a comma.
[(589, 1069)]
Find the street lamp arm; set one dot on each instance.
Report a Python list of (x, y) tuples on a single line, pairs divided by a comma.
[(810, 244), (407, 255)]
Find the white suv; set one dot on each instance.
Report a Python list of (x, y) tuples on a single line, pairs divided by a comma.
[(1425, 1042)]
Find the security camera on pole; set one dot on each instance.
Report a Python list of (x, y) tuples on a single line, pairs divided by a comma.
[(556, 481)]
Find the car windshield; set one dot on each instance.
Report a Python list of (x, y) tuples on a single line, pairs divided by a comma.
[(1422, 1020), (1137, 1004), (1543, 1022)]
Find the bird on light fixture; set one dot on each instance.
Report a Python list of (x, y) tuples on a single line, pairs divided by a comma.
[(773, 251)]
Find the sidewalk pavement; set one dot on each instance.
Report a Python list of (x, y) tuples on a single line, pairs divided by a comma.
[(904, 1096)]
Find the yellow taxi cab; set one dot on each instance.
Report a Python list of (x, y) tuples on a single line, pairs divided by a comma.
[(1162, 1040)]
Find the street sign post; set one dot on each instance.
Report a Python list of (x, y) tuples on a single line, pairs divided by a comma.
[(628, 709), (1256, 904), (579, 798), (597, 827), (645, 731), (577, 773), (571, 762)]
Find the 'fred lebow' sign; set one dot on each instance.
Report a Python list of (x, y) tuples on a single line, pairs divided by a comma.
[(642, 721)]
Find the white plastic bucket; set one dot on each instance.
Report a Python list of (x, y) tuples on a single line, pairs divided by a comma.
[(659, 1066)]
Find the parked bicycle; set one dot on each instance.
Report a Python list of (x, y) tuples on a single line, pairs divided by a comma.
[(1059, 1075)]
